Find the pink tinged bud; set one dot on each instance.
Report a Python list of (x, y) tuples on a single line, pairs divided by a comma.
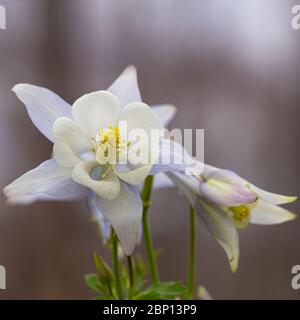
[(226, 189)]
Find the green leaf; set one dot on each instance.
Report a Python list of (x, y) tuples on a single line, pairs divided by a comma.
[(147, 295), (104, 297), (92, 282), (103, 270), (170, 288), (162, 291)]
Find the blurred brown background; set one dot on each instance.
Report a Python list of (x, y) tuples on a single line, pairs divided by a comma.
[(231, 67)]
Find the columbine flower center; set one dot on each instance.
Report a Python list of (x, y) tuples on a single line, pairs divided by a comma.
[(109, 137), (108, 145), (240, 213)]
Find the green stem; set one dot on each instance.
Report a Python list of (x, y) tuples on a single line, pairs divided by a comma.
[(192, 255), (116, 266), (131, 278), (146, 197)]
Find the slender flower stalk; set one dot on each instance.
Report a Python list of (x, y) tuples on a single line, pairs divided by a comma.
[(131, 277), (192, 255), (146, 197), (116, 266)]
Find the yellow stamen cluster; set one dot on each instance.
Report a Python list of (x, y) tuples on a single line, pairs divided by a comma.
[(110, 138), (240, 213), (109, 145), (110, 135)]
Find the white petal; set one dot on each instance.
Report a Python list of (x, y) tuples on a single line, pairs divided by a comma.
[(103, 223), (138, 115), (124, 214), (271, 197), (265, 213), (125, 87), (48, 181), (134, 176), (188, 185), (208, 169), (218, 223), (70, 142), (136, 173), (88, 156), (165, 112), (220, 226), (95, 110), (161, 181), (107, 187), (43, 106), (172, 157)]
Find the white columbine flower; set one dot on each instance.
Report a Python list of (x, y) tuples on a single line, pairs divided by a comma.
[(229, 202), (85, 137), (165, 113)]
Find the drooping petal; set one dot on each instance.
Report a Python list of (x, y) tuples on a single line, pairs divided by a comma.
[(218, 223), (43, 106), (225, 188), (265, 213), (70, 142), (220, 226), (95, 110), (49, 181), (125, 87), (165, 112), (173, 157), (270, 197), (99, 217), (124, 214), (188, 185), (103, 222), (161, 180), (107, 187)]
